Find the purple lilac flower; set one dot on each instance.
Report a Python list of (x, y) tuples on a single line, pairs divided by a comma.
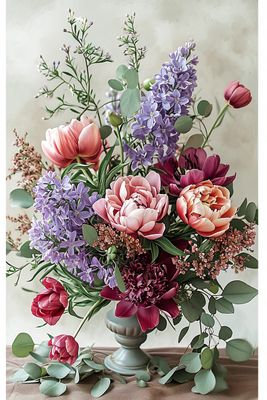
[(56, 232), (169, 98)]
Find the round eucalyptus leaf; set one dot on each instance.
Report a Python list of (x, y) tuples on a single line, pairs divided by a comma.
[(121, 71), (211, 305), (52, 388), (194, 141), (89, 234), (20, 198), (94, 365), (239, 350), (22, 345), (204, 108), (33, 370), (207, 320), (105, 131), (221, 384), (58, 370), (115, 84), (100, 387), (250, 261), (224, 306), (183, 124), (198, 341), (206, 358), (225, 333), (239, 292), (242, 209), (131, 77), (26, 251), (191, 361), (162, 323), (205, 381), (251, 212), (168, 377), (130, 102), (183, 333), (20, 376)]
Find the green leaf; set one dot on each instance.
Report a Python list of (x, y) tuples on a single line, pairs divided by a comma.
[(131, 77), (250, 261), (230, 187), (251, 212), (89, 234), (20, 376), (58, 370), (154, 251), (94, 365), (161, 364), (198, 341), (9, 248), (103, 171), (167, 378), (183, 124), (238, 224), (20, 198), (26, 251), (205, 382), (224, 306), (53, 388), (207, 320), (213, 287), (200, 283), (115, 84), (119, 280), (239, 350), (37, 357), (100, 387), (212, 305), (22, 345), (130, 102), (192, 308), (194, 141), (225, 333), (242, 209), (183, 333), (206, 358), (191, 361), (143, 375), (221, 384), (43, 349), (105, 131), (162, 323), (33, 370), (239, 292), (181, 376), (167, 246), (121, 71), (204, 108)]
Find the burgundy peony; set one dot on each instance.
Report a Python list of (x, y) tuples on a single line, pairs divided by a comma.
[(237, 95), (50, 304), (64, 349), (192, 167), (150, 288)]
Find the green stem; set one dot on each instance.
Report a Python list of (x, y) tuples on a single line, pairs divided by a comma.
[(118, 134), (221, 114), (87, 316), (84, 171)]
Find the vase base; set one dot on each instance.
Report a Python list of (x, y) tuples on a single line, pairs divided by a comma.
[(127, 364)]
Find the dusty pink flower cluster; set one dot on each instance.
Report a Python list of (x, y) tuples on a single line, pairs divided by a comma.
[(223, 254), (23, 221), (26, 161), (107, 236)]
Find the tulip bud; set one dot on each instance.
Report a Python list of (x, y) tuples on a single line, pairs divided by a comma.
[(237, 95), (115, 119), (111, 253), (148, 83)]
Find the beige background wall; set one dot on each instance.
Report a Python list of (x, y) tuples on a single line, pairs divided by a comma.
[(226, 36)]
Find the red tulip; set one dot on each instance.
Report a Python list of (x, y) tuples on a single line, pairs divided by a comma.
[(50, 304), (237, 95), (64, 349)]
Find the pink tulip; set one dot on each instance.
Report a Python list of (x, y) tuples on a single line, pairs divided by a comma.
[(64, 349), (206, 208), (134, 205), (237, 95), (63, 145), (51, 303)]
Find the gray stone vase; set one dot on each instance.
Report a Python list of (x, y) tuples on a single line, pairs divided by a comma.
[(129, 358)]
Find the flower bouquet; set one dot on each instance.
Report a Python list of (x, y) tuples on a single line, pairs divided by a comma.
[(134, 208)]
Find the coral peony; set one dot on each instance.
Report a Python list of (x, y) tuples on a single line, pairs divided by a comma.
[(206, 208), (64, 349), (50, 304), (193, 166), (134, 205), (150, 288), (237, 95), (65, 144)]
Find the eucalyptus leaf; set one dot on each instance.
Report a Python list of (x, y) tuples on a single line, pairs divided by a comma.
[(220, 385), (121, 71), (194, 141), (198, 341), (239, 292), (224, 306), (250, 261), (212, 305), (161, 364), (130, 102), (52, 388), (251, 212), (162, 323), (20, 198), (183, 124), (239, 350), (204, 108), (100, 387), (20, 376), (33, 370), (22, 345), (131, 77), (115, 84), (94, 365), (191, 361), (58, 370), (105, 131), (167, 378), (207, 320), (26, 251), (225, 333), (242, 209), (37, 357), (183, 333), (143, 375), (89, 234), (119, 280), (205, 381), (192, 308), (206, 358)]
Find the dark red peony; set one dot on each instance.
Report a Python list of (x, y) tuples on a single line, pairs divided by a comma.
[(64, 349), (192, 167), (150, 288), (51, 303)]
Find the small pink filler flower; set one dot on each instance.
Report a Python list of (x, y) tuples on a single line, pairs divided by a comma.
[(206, 208), (64, 349), (134, 205)]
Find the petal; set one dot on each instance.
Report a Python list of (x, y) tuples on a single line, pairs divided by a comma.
[(125, 309), (110, 294), (148, 317), (169, 307), (154, 179), (191, 177), (181, 208), (155, 233), (135, 219), (54, 156), (89, 142), (210, 166), (100, 208)]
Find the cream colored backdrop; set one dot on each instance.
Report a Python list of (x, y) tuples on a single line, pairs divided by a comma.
[(226, 36)]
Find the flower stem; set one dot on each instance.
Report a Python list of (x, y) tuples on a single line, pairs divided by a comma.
[(87, 316), (118, 134), (221, 115)]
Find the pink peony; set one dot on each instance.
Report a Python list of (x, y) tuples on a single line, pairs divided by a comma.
[(50, 304), (206, 208), (150, 288), (78, 139), (64, 349), (134, 205), (237, 95)]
